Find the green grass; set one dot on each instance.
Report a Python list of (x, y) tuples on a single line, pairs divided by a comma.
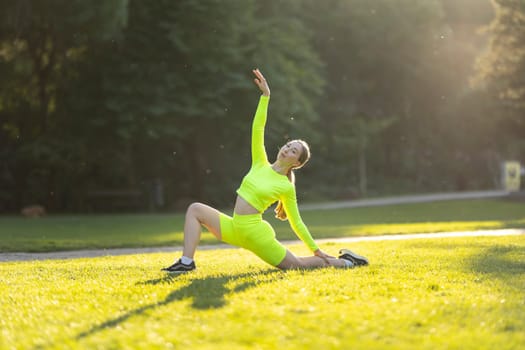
[(113, 231), (456, 293)]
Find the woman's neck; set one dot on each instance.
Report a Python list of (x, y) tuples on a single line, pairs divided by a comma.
[(280, 168)]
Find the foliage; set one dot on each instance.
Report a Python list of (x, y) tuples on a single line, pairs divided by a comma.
[(40, 43), (392, 67), (127, 95), (501, 70)]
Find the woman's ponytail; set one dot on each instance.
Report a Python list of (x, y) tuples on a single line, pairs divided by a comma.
[(280, 213)]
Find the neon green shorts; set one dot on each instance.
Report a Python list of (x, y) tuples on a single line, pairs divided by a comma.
[(253, 233)]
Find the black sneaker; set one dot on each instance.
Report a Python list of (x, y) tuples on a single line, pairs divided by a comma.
[(358, 260), (179, 267)]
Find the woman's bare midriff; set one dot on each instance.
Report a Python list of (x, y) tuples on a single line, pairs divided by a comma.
[(242, 207)]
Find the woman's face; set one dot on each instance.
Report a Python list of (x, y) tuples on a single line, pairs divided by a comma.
[(290, 153)]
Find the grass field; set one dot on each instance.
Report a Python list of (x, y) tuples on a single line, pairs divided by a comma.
[(454, 293), (114, 231)]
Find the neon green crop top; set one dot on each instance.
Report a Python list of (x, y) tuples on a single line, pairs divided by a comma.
[(263, 186)]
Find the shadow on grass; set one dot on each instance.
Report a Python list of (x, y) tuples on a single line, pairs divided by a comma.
[(506, 263), (207, 293)]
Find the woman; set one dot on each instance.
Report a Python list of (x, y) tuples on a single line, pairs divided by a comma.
[(264, 184)]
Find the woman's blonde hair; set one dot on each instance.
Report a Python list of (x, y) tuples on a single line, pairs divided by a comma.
[(280, 213)]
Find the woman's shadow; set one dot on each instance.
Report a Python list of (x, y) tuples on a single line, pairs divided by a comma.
[(206, 292)]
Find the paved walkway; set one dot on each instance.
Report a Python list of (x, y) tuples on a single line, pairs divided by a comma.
[(5, 257), (418, 198)]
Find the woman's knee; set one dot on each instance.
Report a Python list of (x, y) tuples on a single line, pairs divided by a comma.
[(206, 216), (195, 209)]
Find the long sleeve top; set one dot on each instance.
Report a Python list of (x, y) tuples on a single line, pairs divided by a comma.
[(262, 186)]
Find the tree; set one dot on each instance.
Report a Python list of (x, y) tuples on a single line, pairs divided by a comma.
[(176, 97), (501, 73), (126, 93), (379, 59), (39, 40)]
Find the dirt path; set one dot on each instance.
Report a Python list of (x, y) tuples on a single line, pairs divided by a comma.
[(75, 254)]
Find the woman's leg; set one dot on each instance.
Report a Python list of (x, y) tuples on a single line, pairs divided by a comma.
[(291, 261), (198, 215)]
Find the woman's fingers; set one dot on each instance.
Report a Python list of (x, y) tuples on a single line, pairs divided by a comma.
[(258, 74), (261, 82)]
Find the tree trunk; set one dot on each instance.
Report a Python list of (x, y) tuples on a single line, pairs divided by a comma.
[(363, 180), (196, 167), (43, 53)]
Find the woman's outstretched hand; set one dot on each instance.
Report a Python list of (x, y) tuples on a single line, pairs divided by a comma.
[(261, 82)]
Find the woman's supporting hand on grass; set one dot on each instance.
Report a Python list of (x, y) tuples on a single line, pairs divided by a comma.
[(323, 255)]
